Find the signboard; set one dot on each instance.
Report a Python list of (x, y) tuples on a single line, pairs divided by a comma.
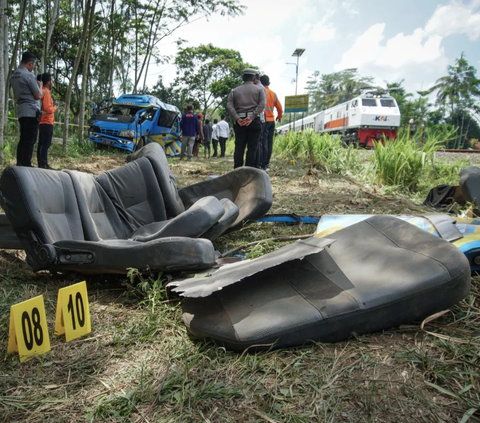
[(296, 103)]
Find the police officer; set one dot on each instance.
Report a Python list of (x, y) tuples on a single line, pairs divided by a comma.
[(245, 104), (27, 93)]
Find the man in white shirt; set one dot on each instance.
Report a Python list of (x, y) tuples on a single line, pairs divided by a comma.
[(223, 130), (215, 137)]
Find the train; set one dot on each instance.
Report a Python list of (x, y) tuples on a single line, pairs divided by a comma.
[(362, 121)]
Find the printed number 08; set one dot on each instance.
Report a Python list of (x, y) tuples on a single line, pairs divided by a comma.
[(33, 335), (79, 306)]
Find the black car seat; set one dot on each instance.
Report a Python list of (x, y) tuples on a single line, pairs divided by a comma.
[(377, 273)]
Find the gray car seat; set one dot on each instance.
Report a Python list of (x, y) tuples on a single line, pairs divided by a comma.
[(378, 273), (67, 221), (249, 189)]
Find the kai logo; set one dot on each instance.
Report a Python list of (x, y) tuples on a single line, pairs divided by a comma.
[(381, 118)]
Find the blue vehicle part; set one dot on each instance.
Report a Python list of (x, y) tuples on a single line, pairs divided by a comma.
[(136, 120)]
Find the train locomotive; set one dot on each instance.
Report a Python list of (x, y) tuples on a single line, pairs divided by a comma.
[(361, 120)]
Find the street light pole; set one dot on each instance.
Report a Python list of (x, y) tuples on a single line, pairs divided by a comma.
[(298, 52)]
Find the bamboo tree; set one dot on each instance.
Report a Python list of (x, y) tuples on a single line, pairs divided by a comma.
[(15, 49), (50, 24), (81, 118), (88, 10), (3, 41)]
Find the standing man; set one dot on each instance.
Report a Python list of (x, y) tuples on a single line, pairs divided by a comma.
[(190, 130), (223, 131), (261, 141), (245, 103), (215, 137), (27, 92), (269, 125), (45, 129)]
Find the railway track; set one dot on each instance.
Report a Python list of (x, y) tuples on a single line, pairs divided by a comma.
[(459, 151)]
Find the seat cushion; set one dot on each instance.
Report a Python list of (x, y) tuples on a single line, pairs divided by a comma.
[(226, 221), (133, 189), (379, 273), (192, 223), (168, 185), (248, 188)]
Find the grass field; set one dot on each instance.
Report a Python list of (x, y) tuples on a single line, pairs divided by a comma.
[(139, 365)]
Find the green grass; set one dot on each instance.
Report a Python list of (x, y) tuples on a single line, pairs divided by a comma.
[(139, 364)]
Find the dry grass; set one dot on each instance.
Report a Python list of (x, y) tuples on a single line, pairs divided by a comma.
[(139, 365)]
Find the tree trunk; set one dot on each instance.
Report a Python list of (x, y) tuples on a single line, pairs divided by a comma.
[(3, 41), (81, 118), (50, 28), (74, 75), (112, 65), (4, 52), (15, 50)]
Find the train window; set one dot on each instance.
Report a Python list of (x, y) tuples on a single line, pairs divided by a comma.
[(387, 102), (370, 102)]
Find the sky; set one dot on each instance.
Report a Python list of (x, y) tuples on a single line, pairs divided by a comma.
[(410, 40)]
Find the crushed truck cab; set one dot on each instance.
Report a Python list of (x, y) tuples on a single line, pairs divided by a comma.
[(134, 120)]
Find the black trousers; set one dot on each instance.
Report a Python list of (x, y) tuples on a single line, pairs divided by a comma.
[(259, 152), (214, 145), (28, 138), (246, 137), (223, 145), (267, 142), (45, 135)]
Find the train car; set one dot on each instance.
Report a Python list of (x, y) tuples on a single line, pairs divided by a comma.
[(362, 120)]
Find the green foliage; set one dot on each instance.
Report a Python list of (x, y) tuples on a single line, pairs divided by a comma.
[(322, 150), (207, 74), (402, 162), (330, 89)]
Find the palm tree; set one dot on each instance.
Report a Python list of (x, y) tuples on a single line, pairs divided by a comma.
[(458, 91)]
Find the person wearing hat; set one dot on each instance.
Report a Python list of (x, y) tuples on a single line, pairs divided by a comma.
[(269, 125), (245, 103), (200, 137), (45, 129), (27, 92)]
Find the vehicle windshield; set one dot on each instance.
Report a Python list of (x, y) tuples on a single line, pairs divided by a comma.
[(371, 102), (123, 111), (387, 102)]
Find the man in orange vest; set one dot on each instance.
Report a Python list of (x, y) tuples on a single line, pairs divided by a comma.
[(269, 125)]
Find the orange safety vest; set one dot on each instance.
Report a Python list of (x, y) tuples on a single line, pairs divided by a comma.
[(272, 102), (48, 108)]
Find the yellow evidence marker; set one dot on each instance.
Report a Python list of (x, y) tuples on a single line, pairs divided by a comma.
[(73, 312), (28, 331)]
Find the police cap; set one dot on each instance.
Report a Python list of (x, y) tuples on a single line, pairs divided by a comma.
[(250, 71)]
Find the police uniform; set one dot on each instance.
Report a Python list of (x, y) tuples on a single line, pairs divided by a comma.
[(246, 100)]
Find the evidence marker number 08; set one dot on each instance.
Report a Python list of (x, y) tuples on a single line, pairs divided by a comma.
[(28, 331)]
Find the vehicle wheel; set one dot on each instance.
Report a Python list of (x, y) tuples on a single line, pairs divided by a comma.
[(140, 144), (97, 146)]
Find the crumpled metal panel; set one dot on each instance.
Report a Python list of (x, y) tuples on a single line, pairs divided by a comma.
[(206, 284)]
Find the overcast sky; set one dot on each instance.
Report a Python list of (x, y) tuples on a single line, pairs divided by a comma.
[(390, 40)]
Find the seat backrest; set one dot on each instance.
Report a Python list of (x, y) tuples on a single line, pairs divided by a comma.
[(42, 203), (154, 152), (100, 219), (135, 193)]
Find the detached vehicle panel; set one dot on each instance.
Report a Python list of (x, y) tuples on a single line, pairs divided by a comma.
[(135, 120)]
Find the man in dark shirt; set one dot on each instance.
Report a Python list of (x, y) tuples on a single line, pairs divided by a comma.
[(190, 130), (245, 103), (27, 93)]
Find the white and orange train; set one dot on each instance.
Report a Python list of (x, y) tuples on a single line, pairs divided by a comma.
[(362, 120)]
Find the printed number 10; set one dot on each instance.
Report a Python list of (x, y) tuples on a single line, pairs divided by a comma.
[(80, 310)]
